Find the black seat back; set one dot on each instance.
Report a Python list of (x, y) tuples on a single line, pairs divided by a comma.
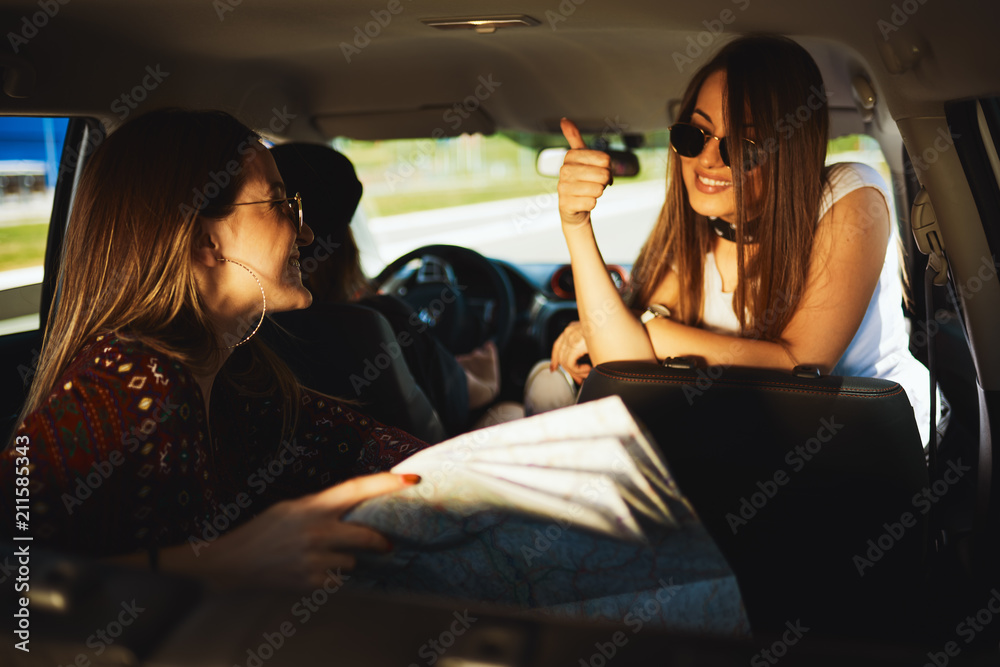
[(20, 352), (349, 351), (792, 477)]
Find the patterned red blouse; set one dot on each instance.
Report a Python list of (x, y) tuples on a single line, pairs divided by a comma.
[(121, 455)]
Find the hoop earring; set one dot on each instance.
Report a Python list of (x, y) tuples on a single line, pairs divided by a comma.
[(264, 298)]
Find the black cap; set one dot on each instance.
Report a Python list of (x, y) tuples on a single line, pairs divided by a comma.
[(329, 187)]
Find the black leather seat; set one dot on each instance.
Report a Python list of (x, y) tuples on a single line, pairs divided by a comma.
[(20, 352), (347, 351), (793, 477)]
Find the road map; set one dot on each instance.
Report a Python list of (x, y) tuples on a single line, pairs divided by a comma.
[(571, 513)]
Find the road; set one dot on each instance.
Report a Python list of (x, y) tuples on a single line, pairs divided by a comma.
[(523, 230)]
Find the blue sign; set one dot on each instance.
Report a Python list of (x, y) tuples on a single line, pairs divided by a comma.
[(37, 140)]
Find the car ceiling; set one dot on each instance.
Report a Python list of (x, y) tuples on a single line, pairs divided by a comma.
[(595, 60)]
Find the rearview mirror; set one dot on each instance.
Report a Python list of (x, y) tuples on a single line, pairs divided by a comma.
[(623, 163)]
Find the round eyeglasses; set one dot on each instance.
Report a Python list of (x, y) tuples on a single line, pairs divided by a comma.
[(290, 211)]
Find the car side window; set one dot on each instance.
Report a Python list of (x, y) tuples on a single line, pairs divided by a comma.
[(30, 152)]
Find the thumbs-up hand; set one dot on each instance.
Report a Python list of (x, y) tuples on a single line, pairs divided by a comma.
[(582, 178)]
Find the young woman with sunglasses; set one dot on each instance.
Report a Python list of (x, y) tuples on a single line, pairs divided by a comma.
[(761, 256), (158, 426)]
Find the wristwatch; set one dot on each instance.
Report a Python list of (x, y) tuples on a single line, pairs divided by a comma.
[(654, 311)]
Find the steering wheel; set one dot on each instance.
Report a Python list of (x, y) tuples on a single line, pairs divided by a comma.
[(459, 295)]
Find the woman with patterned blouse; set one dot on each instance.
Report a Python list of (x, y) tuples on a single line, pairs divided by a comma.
[(157, 422)]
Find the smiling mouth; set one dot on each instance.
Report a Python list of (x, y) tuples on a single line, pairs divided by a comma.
[(294, 262), (712, 182)]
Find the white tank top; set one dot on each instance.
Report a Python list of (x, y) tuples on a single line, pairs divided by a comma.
[(880, 348)]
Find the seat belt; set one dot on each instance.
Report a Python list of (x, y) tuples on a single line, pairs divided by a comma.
[(926, 233), (929, 282)]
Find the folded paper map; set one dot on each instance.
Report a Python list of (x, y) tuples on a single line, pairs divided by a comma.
[(573, 512)]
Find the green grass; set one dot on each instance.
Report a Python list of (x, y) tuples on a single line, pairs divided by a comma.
[(425, 200), (23, 245)]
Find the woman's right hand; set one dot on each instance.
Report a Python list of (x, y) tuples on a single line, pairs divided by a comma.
[(298, 543), (567, 351), (582, 178)]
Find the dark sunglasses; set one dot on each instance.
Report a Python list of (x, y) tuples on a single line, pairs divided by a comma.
[(689, 141)]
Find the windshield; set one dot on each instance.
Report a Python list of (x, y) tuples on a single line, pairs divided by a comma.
[(484, 192)]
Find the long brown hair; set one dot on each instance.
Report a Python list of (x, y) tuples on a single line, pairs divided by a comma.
[(773, 84), (338, 279), (127, 263)]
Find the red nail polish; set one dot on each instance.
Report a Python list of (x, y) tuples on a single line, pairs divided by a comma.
[(410, 478)]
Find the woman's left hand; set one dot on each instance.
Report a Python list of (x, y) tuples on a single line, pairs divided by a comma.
[(294, 543)]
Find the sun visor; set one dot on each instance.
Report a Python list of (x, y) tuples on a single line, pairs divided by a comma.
[(434, 122)]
